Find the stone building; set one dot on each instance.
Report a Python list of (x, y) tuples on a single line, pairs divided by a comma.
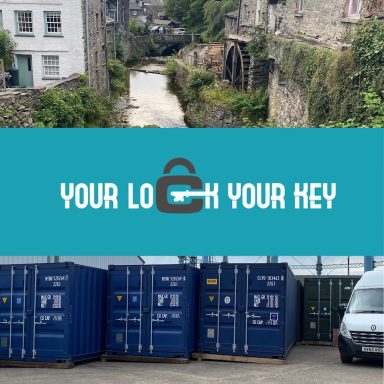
[(326, 24), (56, 39), (119, 11)]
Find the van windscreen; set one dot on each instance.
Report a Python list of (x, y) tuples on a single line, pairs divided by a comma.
[(367, 301)]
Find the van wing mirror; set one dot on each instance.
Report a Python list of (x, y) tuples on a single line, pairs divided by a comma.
[(342, 309)]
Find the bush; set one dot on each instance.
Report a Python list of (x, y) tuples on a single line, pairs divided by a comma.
[(118, 77), (7, 46), (171, 70), (73, 109), (196, 81), (251, 107)]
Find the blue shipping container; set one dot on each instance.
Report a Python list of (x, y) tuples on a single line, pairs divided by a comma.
[(247, 309), (152, 310), (52, 312)]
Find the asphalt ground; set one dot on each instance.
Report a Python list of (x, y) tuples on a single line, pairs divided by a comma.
[(305, 364)]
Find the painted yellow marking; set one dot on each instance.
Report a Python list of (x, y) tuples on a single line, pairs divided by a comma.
[(211, 298), (119, 298), (4, 299), (211, 281), (313, 308)]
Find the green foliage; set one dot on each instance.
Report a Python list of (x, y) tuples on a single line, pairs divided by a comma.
[(368, 51), (194, 21), (342, 88), (176, 9), (118, 77), (71, 109), (135, 28), (171, 70), (196, 81), (214, 18), (7, 46), (8, 112), (251, 107), (258, 46), (201, 16)]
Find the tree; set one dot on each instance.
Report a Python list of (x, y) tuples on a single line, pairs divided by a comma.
[(176, 9), (7, 46), (214, 17)]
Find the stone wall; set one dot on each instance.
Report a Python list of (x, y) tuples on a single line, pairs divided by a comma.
[(94, 21), (325, 21), (205, 115), (288, 106), (17, 105)]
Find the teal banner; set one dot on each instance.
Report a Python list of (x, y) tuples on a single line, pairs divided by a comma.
[(191, 192)]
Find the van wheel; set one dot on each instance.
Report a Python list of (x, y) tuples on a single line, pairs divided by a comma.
[(346, 359)]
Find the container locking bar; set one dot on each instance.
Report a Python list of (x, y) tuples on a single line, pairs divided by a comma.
[(140, 346), (330, 309), (318, 308), (151, 337), (34, 315), (218, 310), (24, 314), (246, 311), (11, 313), (236, 271), (127, 312)]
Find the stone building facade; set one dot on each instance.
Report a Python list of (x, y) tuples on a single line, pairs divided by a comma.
[(56, 39), (327, 24)]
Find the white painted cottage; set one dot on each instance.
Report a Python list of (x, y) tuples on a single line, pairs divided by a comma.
[(56, 38)]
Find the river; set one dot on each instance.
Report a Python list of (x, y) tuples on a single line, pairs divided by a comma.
[(150, 101)]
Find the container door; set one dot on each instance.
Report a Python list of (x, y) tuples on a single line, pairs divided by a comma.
[(220, 316), (13, 312), (51, 313), (167, 319), (264, 320), (317, 309), (126, 308)]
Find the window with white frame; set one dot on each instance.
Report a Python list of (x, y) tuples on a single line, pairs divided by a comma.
[(354, 8), (24, 23), (52, 22), (300, 6), (51, 68)]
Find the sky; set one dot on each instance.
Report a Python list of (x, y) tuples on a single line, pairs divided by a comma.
[(291, 260)]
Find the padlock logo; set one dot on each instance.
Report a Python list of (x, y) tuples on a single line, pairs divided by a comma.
[(163, 184)]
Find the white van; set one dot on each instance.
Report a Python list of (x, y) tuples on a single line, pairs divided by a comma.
[(362, 327)]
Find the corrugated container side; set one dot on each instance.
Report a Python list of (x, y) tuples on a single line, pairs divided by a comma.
[(152, 310), (52, 312), (89, 311), (247, 309)]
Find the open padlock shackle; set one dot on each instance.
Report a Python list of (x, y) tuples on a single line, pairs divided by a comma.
[(179, 161)]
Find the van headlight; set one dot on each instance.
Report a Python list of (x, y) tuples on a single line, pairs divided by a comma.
[(344, 331)]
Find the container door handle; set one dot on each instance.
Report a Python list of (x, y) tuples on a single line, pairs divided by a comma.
[(318, 308), (218, 310), (246, 311), (24, 314), (151, 335), (330, 309), (127, 312), (140, 346), (235, 311), (34, 315), (10, 351)]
